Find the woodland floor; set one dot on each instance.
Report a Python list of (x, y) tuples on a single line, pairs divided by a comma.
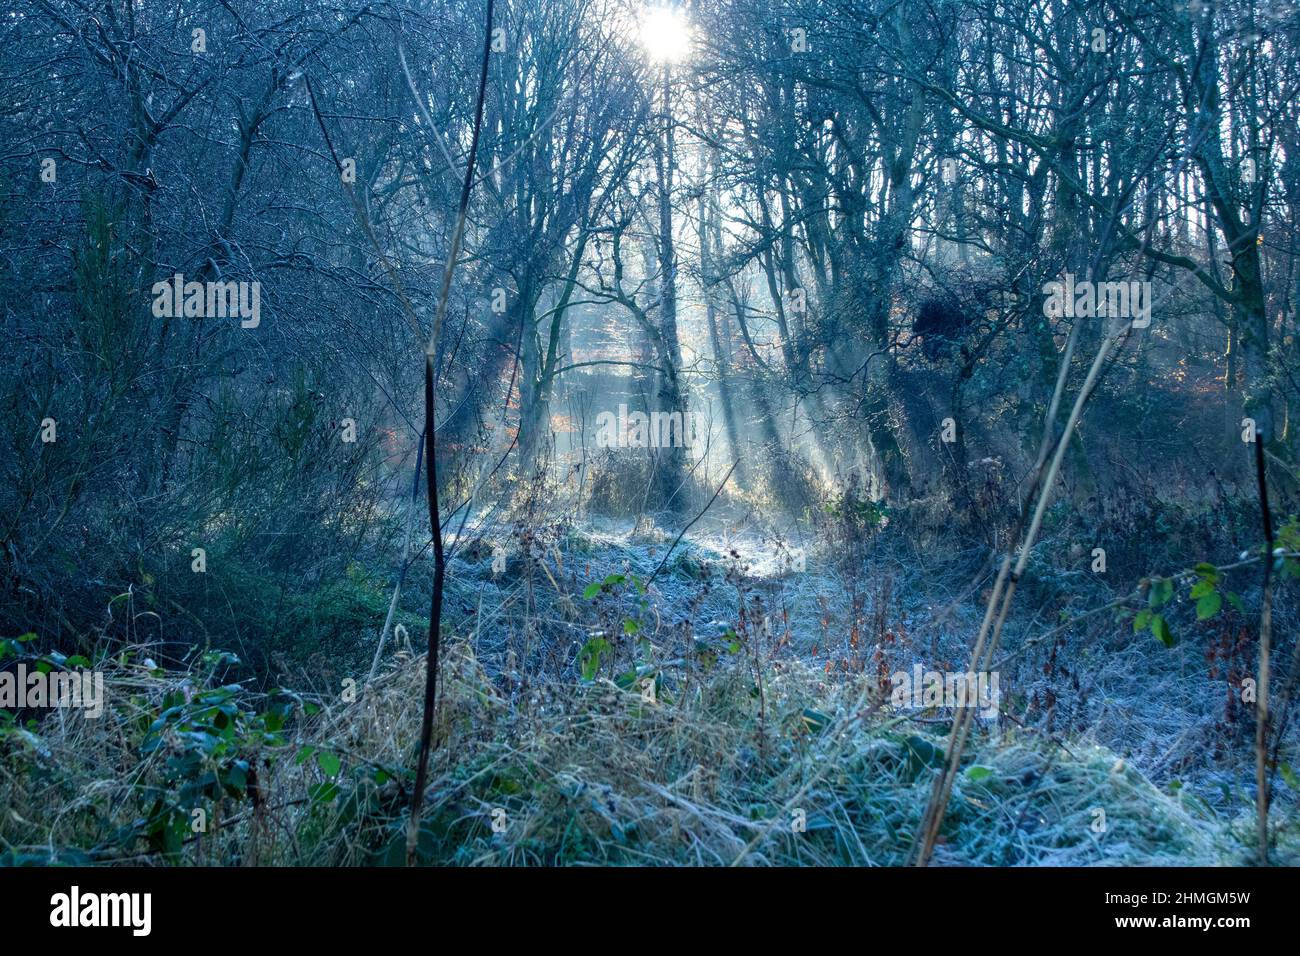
[(542, 731)]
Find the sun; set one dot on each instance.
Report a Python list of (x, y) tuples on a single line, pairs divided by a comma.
[(665, 34)]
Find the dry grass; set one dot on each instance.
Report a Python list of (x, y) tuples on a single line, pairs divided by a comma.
[(780, 750), (590, 774)]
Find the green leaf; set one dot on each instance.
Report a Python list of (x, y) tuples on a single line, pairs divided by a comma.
[(922, 753), (631, 626), (1162, 589), (1235, 601), (1289, 775), (1160, 628), (814, 720), (1200, 589), (236, 777), (589, 657), (329, 763), (1142, 621), (591, 590), (1207, 571), (323, 792), (977, 773), (1208, 606)]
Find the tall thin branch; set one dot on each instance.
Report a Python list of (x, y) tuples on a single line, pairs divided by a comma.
[(431, 460), (1004, 590), (1265, 642)]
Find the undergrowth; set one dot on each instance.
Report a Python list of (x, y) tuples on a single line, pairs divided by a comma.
[(184, 769)]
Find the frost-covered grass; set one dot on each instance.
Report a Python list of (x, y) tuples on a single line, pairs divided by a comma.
[(763, 745)]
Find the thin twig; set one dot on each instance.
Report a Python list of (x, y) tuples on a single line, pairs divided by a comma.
[(682, 533)]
